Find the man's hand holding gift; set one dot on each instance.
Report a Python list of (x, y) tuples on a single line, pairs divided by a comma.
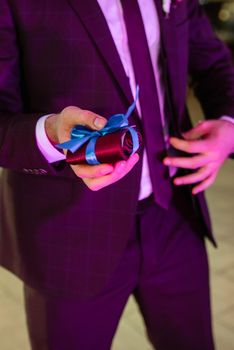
[(58, 129)]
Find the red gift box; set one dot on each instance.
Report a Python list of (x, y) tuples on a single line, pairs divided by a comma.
[(109, 148)]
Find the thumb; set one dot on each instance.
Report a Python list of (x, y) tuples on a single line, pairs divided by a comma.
[(72, 116)]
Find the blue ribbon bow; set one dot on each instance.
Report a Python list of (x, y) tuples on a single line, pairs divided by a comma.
[(81, 134)]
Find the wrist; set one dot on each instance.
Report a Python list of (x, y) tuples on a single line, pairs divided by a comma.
[(50, 129)]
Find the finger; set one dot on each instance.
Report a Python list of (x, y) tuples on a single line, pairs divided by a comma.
[(120, 170), (202, 128), (198, 146), (75, 115), (92, 171), (205, 184), (194, 162), (198, 176), (131, 162)]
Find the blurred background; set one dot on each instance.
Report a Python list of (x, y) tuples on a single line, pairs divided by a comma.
[(131, 333), (221, 14)]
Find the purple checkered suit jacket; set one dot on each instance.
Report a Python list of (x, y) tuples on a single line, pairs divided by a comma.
[(56, 234)]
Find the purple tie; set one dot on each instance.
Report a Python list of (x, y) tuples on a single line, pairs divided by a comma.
[(151, 118)]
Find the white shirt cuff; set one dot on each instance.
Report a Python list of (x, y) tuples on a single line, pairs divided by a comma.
[(47, 149), (228, 119)]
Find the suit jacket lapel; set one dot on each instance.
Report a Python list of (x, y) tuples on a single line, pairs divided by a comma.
[(94, 21)]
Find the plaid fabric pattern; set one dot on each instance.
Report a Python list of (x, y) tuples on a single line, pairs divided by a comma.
[(55, 234)]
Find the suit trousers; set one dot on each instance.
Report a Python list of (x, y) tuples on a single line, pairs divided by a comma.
[(164, 266)]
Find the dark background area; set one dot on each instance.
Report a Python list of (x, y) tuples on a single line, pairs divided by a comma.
[(221, 14)]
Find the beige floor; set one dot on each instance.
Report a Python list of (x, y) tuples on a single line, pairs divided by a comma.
[(131, 335)]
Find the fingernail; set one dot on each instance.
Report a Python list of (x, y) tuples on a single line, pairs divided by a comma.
[(120, 166), (99, 123), (134, 158), (166, 161), (177, 182)]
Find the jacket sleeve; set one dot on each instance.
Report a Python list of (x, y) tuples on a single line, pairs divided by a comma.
[(210, 65), (18, 146)]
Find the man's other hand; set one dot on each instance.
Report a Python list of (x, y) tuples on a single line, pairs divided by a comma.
[(58, 129), (208, 144)]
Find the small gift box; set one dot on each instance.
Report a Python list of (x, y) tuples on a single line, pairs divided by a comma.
[(109, 148), (116, 141)]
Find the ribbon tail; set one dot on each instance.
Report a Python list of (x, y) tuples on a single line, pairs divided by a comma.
[(90, 152), (135, 140), (74, 144), (132, 107)]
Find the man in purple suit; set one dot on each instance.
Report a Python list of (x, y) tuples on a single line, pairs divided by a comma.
[(83, 238)]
